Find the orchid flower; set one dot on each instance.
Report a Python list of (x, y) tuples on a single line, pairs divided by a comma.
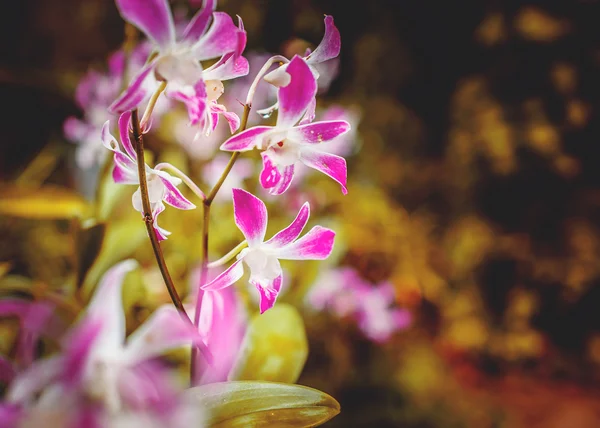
[(329, 48), (161, 185), (94, 94), (250, 214), (222, 327), (285, 144), (99, 377), (177, 59)]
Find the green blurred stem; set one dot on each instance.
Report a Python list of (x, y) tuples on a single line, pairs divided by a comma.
[(205, 228), (147, 213), (230, 255)]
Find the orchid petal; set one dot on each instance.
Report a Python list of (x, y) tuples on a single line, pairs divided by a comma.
[(228, 67), (295, 98), (318, 132), (250, 214), (246, 140), (78, 346), (135, 93), (174, 197), (124, 120), (278, 77), (123, 175), (226, 278), (163, 331), (268, 290), (107, 306), (220, 39), (34, 379), (278, 180), (330, 165), (199, 23), (233, 120), (196, 103), (152, 17), (330, 45), (291, 233), (317, 244), (161, 233), (309, 116), (7, 371)]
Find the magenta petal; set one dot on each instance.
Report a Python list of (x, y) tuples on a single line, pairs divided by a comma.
[(77, 348), (228, 67), (268, 292), (233, 120), (123, 175), (295, 98), (221, 38), (309, 116), (165, 330), (318, 132), (135, 93), (246, 140), (174, 197), (124, 120), (250, 214), (331, 165), (317, 244), (153, 17), (270, 175), (199, 23), (28, 383), (226, 278), (196, 104), (286, 180), (329, 46), (290, 233)]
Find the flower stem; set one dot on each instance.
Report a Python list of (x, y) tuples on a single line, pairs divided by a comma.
[(230, 255), (147, 213), (205, 228), (152, 104)]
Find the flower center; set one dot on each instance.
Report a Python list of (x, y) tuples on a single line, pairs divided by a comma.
[(262, 264)]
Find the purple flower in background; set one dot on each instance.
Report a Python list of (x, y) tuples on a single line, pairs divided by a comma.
[(94, 94), (262, 257), (161, 185), (102, 379), (208, 35), (344, 293), (285, 144), (211, 172)]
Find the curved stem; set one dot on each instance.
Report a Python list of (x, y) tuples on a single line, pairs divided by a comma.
[(148, 217), (152, 104), (187, 180), (261, 73), (230, 255)]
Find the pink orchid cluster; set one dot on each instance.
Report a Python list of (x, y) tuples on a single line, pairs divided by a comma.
[(345, 294), (100, 377)]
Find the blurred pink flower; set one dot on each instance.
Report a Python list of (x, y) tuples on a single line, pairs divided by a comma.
[(345, 294), (211, 172), (102, 379)]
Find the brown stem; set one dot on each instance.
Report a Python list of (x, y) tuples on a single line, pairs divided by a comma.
[(147, 213), (205, 223)]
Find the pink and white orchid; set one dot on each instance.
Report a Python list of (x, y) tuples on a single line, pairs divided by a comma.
[(161, 185), (286, 143), (328, 49), (250, 214), (178, 59), (100, 377)]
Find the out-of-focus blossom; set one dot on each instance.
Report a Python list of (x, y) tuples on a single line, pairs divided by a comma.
[(345, 294), (178, 59), (35, 319), (94, 94), (222, 327), (211, 172), (161, 185), (262, 257), (328, 49), (285, 144), (100, 379)]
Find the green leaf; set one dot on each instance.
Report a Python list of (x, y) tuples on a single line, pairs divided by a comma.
[(264, 404), (48, 202), (275, 347)]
